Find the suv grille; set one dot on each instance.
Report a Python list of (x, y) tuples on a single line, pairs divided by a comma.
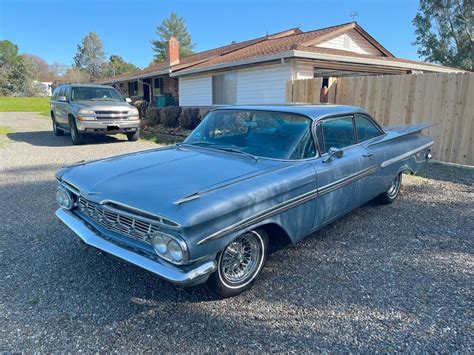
[(111, 112), (117, 222)]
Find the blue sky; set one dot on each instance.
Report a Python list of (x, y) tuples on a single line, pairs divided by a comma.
[(52, 29)]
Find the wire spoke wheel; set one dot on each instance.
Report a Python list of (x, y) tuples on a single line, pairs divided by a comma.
[(240, 259)]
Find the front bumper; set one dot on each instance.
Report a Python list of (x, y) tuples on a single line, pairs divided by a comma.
[(107, 126), (164, 270)]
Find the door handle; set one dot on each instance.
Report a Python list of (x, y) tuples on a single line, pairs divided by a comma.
[(367, 155)]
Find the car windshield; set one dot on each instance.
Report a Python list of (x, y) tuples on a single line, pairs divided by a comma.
[(95, 94), (268, 134)]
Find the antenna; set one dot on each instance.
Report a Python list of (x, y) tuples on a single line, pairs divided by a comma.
[(353, 14)]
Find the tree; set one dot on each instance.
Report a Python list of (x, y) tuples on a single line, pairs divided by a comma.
[(443, 32), (42, 68), (174, 26), (117, 65), (90, 56), (20, 78), (8, 51), (76, 75)]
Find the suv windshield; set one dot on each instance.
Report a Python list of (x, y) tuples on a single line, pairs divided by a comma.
[(267, 134), (95, 94)]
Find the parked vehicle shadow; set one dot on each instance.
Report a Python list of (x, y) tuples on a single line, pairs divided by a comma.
[(48, 139)]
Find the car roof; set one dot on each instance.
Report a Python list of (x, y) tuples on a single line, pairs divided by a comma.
[(315, 112), (87, 85)]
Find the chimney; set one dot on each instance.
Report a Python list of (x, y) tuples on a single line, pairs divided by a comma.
[(172, 51)]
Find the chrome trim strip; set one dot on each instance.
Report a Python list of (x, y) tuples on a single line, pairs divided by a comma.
[(405, 155), (165, 271), (294, 202)]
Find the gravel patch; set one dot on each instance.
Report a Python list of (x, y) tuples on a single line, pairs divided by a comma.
[(383, 278)]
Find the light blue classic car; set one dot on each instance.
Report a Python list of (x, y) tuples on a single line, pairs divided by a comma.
[(206, 210)]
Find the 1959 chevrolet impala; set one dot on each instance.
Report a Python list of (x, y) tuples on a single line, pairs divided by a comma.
[(207, 209)]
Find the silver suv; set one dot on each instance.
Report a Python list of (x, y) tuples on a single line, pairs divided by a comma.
[(92, 109)]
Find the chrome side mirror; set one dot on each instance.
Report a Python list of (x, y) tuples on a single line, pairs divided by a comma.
[(334, 152), (62, 98), (129, 100)]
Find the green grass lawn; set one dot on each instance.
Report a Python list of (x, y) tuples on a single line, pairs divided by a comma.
[(25, 104)]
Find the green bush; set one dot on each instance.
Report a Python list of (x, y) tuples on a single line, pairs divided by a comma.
[(189, 118), (152, 116), (169, 116)]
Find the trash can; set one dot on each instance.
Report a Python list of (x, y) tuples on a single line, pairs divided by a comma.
[(164, 100)]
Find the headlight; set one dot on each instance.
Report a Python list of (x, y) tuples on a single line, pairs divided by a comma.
[(86, 112), (175, 251), (64, 198), (86, 115), (160, 243), (169, 248), (134, 112)]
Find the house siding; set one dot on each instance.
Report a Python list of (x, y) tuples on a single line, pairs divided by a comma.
[(303, 71), (195, 91), (257, 85), (351, 41), (263, 85)]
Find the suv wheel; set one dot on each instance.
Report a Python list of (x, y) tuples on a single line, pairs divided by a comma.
[(76, 137), (133, 136), (57, 131)]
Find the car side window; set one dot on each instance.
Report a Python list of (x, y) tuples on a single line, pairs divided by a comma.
[(67, 93), (335, 133), (365, 128), (55, 93), (61, 91)]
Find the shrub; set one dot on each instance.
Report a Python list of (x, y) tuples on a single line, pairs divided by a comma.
[(203, 112), (152, 116), (169, 116), (142, 106), (189, 118)]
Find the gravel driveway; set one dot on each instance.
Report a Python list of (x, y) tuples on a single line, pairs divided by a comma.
[(384, 278)]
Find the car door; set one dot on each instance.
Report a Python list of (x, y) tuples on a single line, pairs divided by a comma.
[(369, 135), (340, 180), (59, 107)]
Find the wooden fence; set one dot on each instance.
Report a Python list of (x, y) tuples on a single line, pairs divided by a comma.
[(446, 99)]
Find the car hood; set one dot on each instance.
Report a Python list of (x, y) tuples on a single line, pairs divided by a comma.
[(101, 105), (156, 180)]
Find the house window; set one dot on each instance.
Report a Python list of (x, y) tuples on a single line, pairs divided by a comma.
[(133, 88), (224, 89), (157, 86)]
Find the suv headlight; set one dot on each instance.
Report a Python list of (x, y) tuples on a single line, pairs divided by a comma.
[(86, 112), (170, 248), (86, 115), (64, 198), (133, 112)]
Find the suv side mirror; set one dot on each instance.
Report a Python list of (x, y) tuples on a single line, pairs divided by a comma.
[(62, 98), (334, 152), (129, 100)]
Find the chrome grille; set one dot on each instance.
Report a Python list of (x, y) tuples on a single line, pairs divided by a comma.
[(117, 222), (111, 112)]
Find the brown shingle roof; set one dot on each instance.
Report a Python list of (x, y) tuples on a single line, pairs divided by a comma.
[(293, 39), (270, 44)]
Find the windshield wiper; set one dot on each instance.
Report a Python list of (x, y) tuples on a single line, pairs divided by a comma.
[(228, 149), (201, 142)]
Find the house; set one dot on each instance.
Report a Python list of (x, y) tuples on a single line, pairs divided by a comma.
[(256, 71)]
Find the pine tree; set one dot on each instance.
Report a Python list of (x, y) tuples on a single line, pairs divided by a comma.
[(174, 26), (90, 56)]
